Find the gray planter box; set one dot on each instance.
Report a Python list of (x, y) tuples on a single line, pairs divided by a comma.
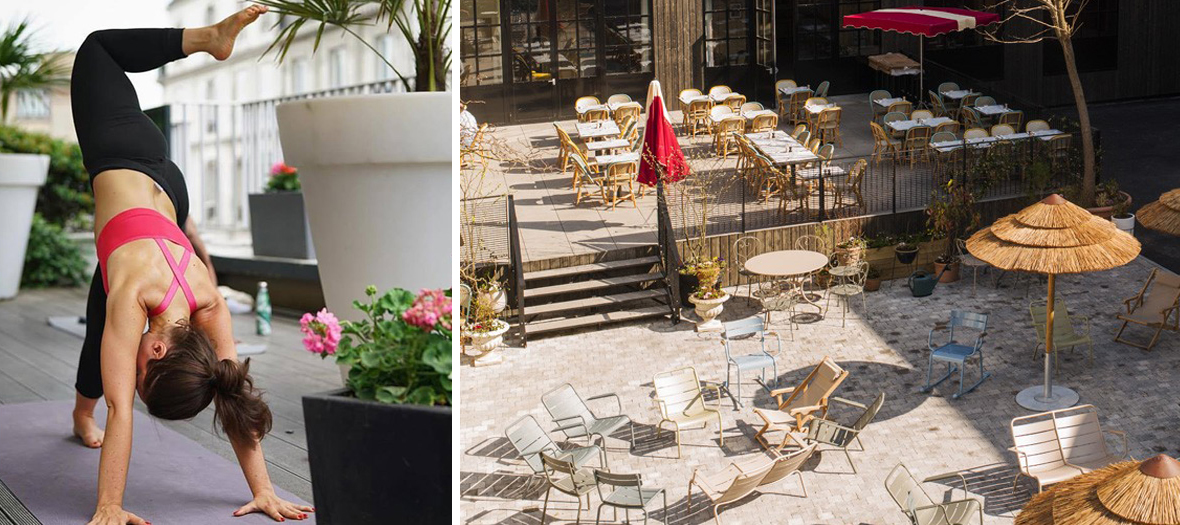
[(278, 225)]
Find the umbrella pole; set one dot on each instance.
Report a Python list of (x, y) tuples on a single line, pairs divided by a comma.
[(1046, 397), (921, 67)]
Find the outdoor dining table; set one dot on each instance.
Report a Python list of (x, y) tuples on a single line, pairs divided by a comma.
[(788, 91), (597, 130), (958, 94), (815, 109), (614, 106), (903, 126), (886, 102), (689, 99), (781, 149), (606, 160), (790, 265), (749, 114), (994, 110), (718, 98), (986, 142), (610, 144)]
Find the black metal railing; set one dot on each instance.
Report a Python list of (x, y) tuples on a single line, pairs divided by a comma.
[(517, 262), (669, 253)]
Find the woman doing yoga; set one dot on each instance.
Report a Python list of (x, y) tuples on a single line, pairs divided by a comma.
[(148, 275)]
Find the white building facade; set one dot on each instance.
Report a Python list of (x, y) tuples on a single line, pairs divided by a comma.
[(221, 114)]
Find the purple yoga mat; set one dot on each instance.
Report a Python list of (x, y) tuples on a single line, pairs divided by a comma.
[(173, 479)]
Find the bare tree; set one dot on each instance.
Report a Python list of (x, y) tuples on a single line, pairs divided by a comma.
[(1059, 20)]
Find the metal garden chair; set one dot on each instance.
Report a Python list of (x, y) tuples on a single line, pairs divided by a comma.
[(1065, 332), (679, 397), (575, 420), (627, 494), (751, 327), (921, 509), (827, 432), (743, 249), (954, 354), (530, 440), (567, 478)]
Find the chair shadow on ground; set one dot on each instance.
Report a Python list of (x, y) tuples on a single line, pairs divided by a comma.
[(992, 483)]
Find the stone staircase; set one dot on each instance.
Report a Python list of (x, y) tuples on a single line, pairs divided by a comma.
[(588, 296)]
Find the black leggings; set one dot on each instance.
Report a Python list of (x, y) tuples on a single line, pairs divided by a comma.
[(114, 133)]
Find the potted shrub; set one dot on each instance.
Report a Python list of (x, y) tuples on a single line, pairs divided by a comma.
[(708, 297), (951, 215), (483, 330), (278, 222), (873, 280), (1107, 197), (381, 446), (850, 251), (1122, 217), (375, 169)]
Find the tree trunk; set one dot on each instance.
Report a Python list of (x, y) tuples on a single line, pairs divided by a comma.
[(1086, 197), (431, 66)]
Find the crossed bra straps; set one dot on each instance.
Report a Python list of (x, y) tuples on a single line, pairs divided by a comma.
[(144, 223)]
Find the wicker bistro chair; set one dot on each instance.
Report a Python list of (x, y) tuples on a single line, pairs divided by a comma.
[(697, 117), (1012, 118), (760, 123), (529, 441), (904, 107), (954, 354), (1036, 125), (852, 184), (805, 402), (686, 93), (751, 106), (681, 403), (716, 114), (719, 89), (883, 144), (619, 175), (567, 478), (1000, 130), (822, 89), (919, 114), (917, 144), (595, 115), (725, 133), (799, 130), (947, 86), (937, 106), (917, 505), (750, 327), (1156, 306), (1065, 333), (891, 117), (630, 110), (828, 124), (823, 431), (618, 98), (575, 420), (970, 118), (567, 146), (627, 493), (951, 127), (975, 133), (984, 100), (798, 100), (1055, 446), (585, 178), (582, 103), (874, 96), (855, 285), (783, 102), (735, 101)]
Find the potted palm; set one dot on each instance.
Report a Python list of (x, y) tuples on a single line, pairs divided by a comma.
[(373, 167), (21, 174), (278, 223), (951, 215), (381, 446)]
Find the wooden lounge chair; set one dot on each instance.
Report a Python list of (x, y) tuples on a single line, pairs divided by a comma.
[(1055, 446), (921, 509), (530, 441), (1155, 307), (806, 402), (740, 479), (575, 420), (678, 394), (827, 432), (1065, 332)]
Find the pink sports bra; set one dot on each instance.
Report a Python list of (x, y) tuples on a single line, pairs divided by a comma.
[(144, 223)]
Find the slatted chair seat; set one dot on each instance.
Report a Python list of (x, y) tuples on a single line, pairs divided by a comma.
[(569, 479), (530, 440), (729, 485), (575, 420), (917, 505), (1055, 446), (680, 400), (807, 401), (956, 354), (752, 328), (1157, 306)]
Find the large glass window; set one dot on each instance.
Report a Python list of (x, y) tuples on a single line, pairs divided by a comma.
[(480, 50), (627, 43), (820, 33), (764, 32), (575, 39), (1095, 44), (725, 33), (531, 45)]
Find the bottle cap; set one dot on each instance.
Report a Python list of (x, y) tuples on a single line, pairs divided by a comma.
[(262, 284)]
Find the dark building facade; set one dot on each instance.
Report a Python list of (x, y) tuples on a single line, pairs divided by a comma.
[(528, 60)]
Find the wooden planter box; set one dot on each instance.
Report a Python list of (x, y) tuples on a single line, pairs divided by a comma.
[(885, 261)]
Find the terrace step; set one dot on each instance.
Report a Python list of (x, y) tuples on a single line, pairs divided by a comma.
[(594, 302), (590, 285), (590, 268), (552, 326)]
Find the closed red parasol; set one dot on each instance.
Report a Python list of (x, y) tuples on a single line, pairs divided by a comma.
[(661, 154)]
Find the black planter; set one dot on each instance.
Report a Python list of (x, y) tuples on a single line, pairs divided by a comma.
[(278, 225), (906, 257), (688, 285), (378, 463)]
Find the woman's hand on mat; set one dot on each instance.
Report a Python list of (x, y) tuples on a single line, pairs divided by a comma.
[(275, 507), (115, 515)]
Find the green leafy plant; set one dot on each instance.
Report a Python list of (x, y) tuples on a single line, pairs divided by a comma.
[(425, 25), (65, 199), (22, 67), (399, 353), (1108, 194), (479, 312), (51, 259), (852, 242), (951, 214), (708, 274), (283, 178)]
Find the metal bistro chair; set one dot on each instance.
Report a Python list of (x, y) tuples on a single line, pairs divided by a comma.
[(750, 327), (1065, 332), (954, 354), (917, 505), (530, 441), (744, 248), (628, 494), (827, 432), (569, 479), (575, 420), (682, 403)]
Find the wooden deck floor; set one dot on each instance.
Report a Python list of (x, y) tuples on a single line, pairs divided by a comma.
[(38, 363)]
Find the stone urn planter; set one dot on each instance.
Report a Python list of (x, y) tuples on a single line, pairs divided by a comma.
[(494, 297), (708, 310), (484, 345), (21, 177)]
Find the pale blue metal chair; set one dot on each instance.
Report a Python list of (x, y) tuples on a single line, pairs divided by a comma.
[(822, 89), (575, 420), (750, 327), (955, 354)]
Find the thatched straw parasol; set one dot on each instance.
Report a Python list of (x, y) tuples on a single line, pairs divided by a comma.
[(1163, 215), (1052, 237), (1124, 493)]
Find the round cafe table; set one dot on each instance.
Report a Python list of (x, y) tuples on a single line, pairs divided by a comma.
[(786, 263)]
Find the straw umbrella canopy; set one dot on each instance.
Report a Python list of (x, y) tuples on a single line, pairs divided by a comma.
[(1163, 215), (1053, 236), (1124, 493)]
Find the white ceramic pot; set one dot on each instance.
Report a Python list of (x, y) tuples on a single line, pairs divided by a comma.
[(483, 345), (1126, 224), (376, 177), (708, 310), (21, 177)]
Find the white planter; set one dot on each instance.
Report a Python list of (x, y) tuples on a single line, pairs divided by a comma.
[(21, 176), (708, 310), (344, 373), (376, 176), (1126, 224), (496, 298), (483, 345)]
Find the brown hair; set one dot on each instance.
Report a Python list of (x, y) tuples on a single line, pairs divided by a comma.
[(183, 382)]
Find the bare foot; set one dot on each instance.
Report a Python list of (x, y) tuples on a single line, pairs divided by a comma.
[(221, 43), (86, 428)]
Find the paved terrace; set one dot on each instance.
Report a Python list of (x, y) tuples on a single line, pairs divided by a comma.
[(1134, 391), (40, 363)]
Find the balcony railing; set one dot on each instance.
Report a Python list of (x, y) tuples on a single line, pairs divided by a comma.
[(225, 150)]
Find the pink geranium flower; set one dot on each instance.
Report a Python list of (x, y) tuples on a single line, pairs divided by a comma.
[(321, 332), (430, 308), (281, 167)]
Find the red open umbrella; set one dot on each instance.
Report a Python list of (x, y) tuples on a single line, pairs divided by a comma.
[(922, 21), (660, 147)]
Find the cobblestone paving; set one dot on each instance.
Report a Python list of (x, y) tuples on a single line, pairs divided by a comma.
[(1134, 391)]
